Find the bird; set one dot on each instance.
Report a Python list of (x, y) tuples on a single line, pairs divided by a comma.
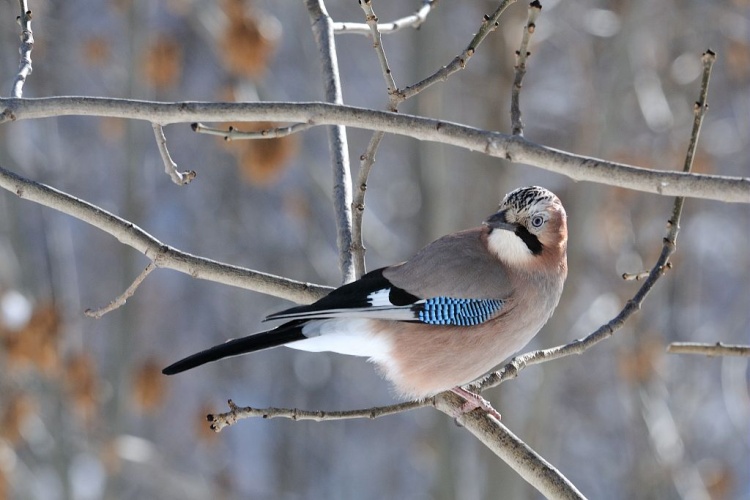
[(444, 318)]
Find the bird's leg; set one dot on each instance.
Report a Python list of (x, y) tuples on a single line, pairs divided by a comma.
[(474, 401)]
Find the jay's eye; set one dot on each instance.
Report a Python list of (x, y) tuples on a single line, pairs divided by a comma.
[(537, 221)]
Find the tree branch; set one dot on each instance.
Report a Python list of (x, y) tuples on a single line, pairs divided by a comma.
[(27, 44), (322, 27), (160, 254), (413, 21), (517, 149), (459, 62), (717, 349), (535, 8), (531, 466), (123, 298), (232, 134), (377, 44), (220, 420), (367, 159), (170, 167), (498, 438)]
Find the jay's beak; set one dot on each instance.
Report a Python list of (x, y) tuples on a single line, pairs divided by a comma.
[(498, 221)]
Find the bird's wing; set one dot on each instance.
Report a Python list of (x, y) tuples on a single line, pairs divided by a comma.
[(452, 281), (458, 265)]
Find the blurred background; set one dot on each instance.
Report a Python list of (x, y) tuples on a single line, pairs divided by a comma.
[(84, 410)]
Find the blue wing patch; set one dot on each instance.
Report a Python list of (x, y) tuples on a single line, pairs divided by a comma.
[(456, 312), (374, 297)]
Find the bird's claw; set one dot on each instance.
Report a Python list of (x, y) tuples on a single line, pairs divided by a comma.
[(473, 401)]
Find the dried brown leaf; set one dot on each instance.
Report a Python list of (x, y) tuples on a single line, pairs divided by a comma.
[(148, 386), (82, 385), (36, 344), (16, 410), (249, 41), (162, 62)]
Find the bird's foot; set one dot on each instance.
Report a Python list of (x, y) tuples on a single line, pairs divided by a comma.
[(472, 402)]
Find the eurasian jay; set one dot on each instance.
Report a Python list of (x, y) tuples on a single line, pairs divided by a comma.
[(458, 308)]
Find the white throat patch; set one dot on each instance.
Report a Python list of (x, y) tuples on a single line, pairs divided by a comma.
[(508, 247)]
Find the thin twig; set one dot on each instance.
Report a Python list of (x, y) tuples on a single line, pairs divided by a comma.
[(220, 420), (635, 276), (170, 167), (162, 255), (120, 301), (413, 21), (232, 133), (322, 27), (489, 24), (717, 349), (377, 44), (27, 44), (513, 148), (535, 8), (367, 160)]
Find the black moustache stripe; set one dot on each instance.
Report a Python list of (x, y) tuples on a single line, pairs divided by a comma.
[(532, 242)]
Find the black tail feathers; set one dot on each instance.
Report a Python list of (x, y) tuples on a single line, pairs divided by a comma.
[(284, 334)]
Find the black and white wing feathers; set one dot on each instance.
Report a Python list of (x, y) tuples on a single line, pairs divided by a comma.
[(370, 296), (375, 297)]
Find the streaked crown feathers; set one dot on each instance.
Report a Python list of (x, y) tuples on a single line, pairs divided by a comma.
[(526, 198)]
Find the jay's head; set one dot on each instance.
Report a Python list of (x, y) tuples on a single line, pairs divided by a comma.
[(529, 228)]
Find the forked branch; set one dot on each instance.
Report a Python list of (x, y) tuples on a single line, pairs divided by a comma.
[(160, 254), (489, 24)]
